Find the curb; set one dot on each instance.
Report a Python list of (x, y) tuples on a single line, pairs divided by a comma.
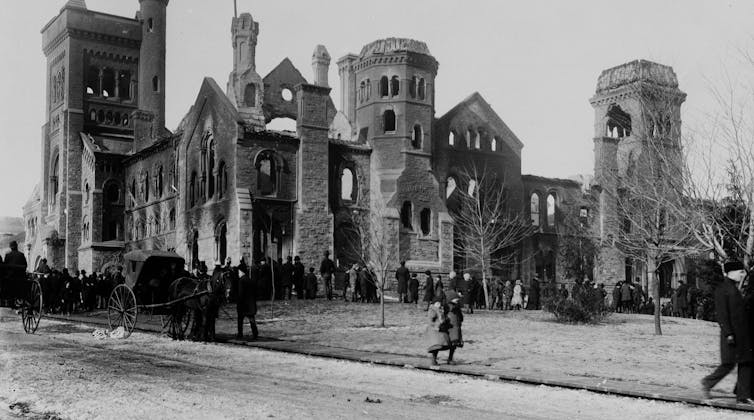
[(398, 361)]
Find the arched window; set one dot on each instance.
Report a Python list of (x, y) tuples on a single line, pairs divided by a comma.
[(211, 170), (416, 140), (266, 176), (551, 209), (412, 87), (250, 95), (369, 89), (146, 187), (362, 91), (221, 241), (109, 117), (493, 144), (160, 184), (452, 139), (192, 190), (450, 187), (222, 180), (534, 209), (54, 180), (422, 89), (93, 115), (425, 219), (618, 122), (155, 84), (347, 185), (108, 83), (384, 88), (388, 120), (124, 84), (92, 81), (395, 86), (407, 214), (112, 192), (86, 193), (468, 139)]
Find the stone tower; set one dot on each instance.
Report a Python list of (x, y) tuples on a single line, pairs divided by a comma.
[(320, 65), (245, 87), (629, 113), (153, 17)]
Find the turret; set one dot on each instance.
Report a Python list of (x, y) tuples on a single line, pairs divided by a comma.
[(245, 87), (153, 19), (320, 65)]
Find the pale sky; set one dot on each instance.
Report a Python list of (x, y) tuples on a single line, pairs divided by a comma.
[(535, 62)]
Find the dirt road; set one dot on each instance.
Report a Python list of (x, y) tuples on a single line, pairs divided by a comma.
[(63, 371)]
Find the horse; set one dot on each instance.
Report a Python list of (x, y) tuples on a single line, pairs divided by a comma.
[(203, 308)]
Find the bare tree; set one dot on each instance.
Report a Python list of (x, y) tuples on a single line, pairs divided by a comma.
[(372, 241), (488, 226)]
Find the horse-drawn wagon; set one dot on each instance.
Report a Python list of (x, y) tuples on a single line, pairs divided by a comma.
[(147, 287), (19, 289)]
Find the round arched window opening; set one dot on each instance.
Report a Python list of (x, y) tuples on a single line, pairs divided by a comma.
[(287, 95), (112, 192)]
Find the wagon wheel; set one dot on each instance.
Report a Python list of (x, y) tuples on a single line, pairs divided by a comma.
[(167, 321), (121, 309), (31, 311)]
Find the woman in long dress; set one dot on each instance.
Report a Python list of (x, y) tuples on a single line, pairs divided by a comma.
[(517, 301)]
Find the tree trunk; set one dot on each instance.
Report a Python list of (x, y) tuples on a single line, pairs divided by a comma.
[(654, 285), (382, 307), (486, 290), (272, 298)]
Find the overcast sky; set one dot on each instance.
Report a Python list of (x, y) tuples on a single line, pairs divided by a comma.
[(535, 62)]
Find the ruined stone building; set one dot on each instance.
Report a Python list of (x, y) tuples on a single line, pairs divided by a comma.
[(221, 184)]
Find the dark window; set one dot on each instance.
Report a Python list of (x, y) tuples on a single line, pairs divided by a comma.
[(425, 218), (395, 86), (171, 219), (211, 170), (192, 190), (407, 213), (155, 84), (266, 177), (108, 83), (618, 122), (112, 193), (109, 117), (133, 193), (416, 140), (160, 189), (250, 95), (222, 180), (146, 188), (384, 88), (412, 87), (86, 193), (150, 24), (388, 120), (422, 89), (124, 85), (362, 91), (92, 81)]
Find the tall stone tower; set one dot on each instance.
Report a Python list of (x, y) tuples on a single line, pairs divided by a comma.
[(153, 15), (635, 103), (320, 65), (245, 87)]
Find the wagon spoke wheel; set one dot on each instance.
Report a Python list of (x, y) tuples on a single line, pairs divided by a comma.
[(31, 311), (165, 322), (121, 309)]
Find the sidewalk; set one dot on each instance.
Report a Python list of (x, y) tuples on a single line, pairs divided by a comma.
[(605, 386)]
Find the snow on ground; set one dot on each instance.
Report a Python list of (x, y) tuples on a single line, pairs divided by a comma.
[(622, 348), (65, 372)]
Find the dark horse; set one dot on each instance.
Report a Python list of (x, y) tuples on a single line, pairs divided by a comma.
[(203, 308)]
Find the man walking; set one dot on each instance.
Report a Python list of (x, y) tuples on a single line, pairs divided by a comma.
[(326, 270), (735, 335), (246, 301)]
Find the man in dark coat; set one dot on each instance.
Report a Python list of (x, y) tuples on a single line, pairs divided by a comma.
[(401, 275), (470, 296), (429, 289), (15, 266), (298, 277), (246, 300), (683, 299), (413, 289), (735, 335), (310, 283), (326, 270), (534, 294)]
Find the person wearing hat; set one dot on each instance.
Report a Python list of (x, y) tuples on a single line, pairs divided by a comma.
[(735, 335), (298, 277), (471, 291), (246, 299), (455, 318), (429, 289), (401, 276), (15, 264), (326, 270)]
